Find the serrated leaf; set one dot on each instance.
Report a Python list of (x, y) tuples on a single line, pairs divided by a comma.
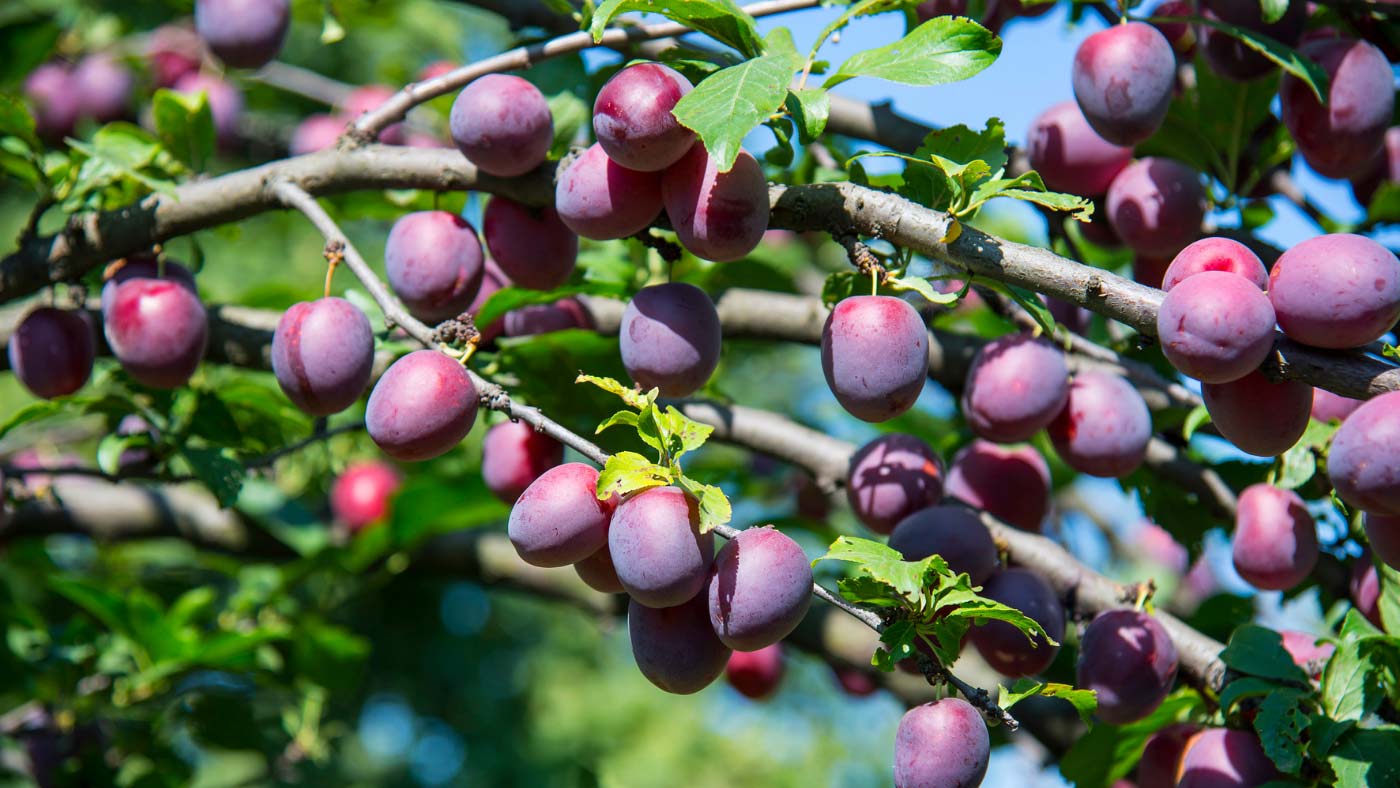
[(185, 125), (925, 288), (1280, 724), (898, 639), (1085, 702), (1029, 187), (944, 636), (867, 591), (810, 109), (886, 565), (722, 20), (682, 434), (714, 504), (942, 50), (627, 394), (732, 102), (1296, 467), (627, 472), (1243, 688), (219, 470), (1368, 757), (624, 417), (1258, 651)]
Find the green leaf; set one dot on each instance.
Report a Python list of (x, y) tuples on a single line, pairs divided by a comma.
[(625, 417), (1350, 683), (1244, 688), (1280, 724), (1368, 757), (898, 639), (1385, 204), (1084, 701), (1028, 300), (1273, 10), (15, 121), (1287, 58), (1296, 467), (1197, 418), (627, 472), (952, 162), (629, 395), (571, 114), (810, 109), (1110, 752), (26, 43), (508, 299), (886, 565), (35, 411), (1323, 733), (185, 126), (103, 604), (733, 101), (683, 434), (219, 470), (714, 504), (925, 288), (112, 446), (1029, 187), (942, 50), (722, 20), (1258, 651)]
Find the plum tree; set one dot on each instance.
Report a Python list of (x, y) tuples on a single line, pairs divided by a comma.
[(719, 216), (317, 132), (515, 454), (225, 103), (1383, 532), (1156, 206), (1011, 482), (424, 405), (1216, 327), (1104, 427), (1327, 406), (1070, 156), (157, 329), (756, 674), (562, 315), (1161, 757), (875, 356), (51, 352), (322, 354), (660, 555), (1342, 137), (1016, 386), (759, 589), (952, 532), (1216, 254), (939, 744), (1364, 461), (243, 33), (1127, 658), (361, 494), (674, 647), (632, 117), (104, 87), (598, 572), (558, 519), (1225, 758), (1336, 291), (502, 124), (532, 246), (1260, 416), (1006, 648), (1123, 79), (1232, 58), (670, 338), (602, 200), (890, 478), (434, 263), (1275, 541)]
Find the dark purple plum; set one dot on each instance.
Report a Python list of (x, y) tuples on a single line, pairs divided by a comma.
[(1161, 757), (932, 8), (1383, 532), (243, 33), (157, 329), (1327, 406), (952, 532), (434, 263), (1156, 206), (531, 245), (1149, 270), (317, 132), (1016, 386), (890, 478), (51, 352), (225, 103), (53, 98), (558, 519), (602, 200), (675, 647), (759, 589), (719, 216), (943, 744), (513, 455), (145, 266), (1123, 80), (1104, 427), (562, 315), (1341, 138), (670, 338), (322, 355), (1010, 482), (1216, 327), (856, 683), (1127, 658), (1364, 461), (1216, 254), (660, 555), (104, 86), (1230, 57), (1181, 35), (632, 117), (1224, 758), (756, 674), (1256, 414), (360, 496), (422, 407), (1275, 541), (1070, 156), (875, 356), (502, 124), (1006, 648), (1384, 168), (598, 572), (1336, 291), (1075, 318)]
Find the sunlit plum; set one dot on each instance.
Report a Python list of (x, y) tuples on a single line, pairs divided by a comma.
[(1230, 57), (632, 117), (759, 589), (558, 519), (1305, 648), (434, 263), (51, 352), (952, 532), (501, 123), (602, 200), (1010, 482), (53, 96), (719, 216), (1123, 80), (1336, 291), (675, 647), (422, 407), (598, 572), (562, 315), (1156, 206), (1275, 541), (941, 745), (1161, 757), (1006, 648), (322, 354), (1070, 156), (1341, 138), (145, 266), (104, 87), (1364, 462), (361, 495), (1016, 386), (1327, 406), (1104, 427), (225, 103), (1224, 758), (243, 33), (316, 133), (531, 245), (513, 455), (1216, 254), (875, 356), (1127, 658), (756, 674), (1216, 327), (1260, 416), (660, 555), (157, 330), (670, 338), (890, 478)]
